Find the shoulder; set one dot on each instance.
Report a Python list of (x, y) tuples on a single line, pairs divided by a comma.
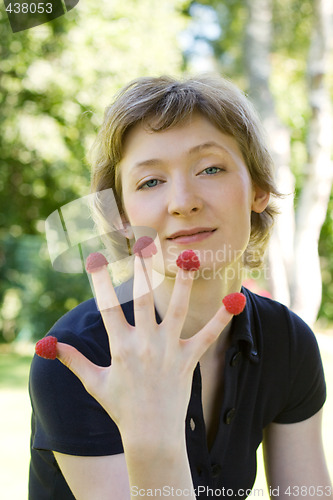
[(65, 417), (77, 320), (290, 360), (276, 321), (83, 326)]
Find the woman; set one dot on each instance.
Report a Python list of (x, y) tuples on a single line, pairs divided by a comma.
[(191, 390)]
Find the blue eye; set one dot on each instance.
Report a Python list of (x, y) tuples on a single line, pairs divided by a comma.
[(212, 170), (151, 183)]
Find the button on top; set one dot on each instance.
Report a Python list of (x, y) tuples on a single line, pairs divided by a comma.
[(216, 470), (192, 424), (229, 416), (235, 360)]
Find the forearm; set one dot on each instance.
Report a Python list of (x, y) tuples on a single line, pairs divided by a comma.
[(159, 470)]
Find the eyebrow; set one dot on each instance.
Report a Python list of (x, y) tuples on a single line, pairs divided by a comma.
[(192, 151)]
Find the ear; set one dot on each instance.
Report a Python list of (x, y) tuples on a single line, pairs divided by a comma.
[(260, 199)]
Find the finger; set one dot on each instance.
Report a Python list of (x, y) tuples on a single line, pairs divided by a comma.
[(108, 304), (86, 371), (106, 297), (143, 298), (179, 302), (200, 342)]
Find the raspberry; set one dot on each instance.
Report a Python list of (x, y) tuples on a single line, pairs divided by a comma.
[(95, 261), (145, 247), (234, 303), (188, 260), (47, 348)]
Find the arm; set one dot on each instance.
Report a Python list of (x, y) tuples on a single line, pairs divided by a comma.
[(294, 460), (147, 388), (99, 478), (106, 477)]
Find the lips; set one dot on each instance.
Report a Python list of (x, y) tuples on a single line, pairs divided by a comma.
[(191, 232)]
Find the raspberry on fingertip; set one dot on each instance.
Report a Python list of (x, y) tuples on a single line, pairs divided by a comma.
[(95, 261), (47, 347), (234, 303), (188, 260), (144, 247)]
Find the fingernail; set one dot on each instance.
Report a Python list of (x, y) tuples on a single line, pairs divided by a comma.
[(145, 247), (95, 261)]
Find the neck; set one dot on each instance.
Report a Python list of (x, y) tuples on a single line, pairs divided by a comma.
[(206, 297)]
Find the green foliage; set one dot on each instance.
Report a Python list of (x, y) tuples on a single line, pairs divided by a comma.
[(292, 22), (14, 370), (34, 295), (231, 16), (292, 26), (326, 252), (55, 81)]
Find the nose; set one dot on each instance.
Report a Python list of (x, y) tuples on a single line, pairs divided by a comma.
[(183, 199)]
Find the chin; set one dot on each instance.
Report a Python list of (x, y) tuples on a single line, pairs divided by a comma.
[(171, 269)]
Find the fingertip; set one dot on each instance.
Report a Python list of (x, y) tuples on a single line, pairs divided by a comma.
[(145, 247), (65, 353), (186, 275), (95, 261), (188, 260), (234, 303), (47, 347), (71, 357)]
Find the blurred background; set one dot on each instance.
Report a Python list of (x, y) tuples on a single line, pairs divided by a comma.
[(55, 81)]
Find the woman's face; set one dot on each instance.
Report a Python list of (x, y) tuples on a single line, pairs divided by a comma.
[(191, 185)]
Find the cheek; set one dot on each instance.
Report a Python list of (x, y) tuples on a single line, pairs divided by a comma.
[(245, 194), (139, 213), (238, 197), (239, 201)]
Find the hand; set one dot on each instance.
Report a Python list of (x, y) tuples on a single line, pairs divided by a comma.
[(147, 387)]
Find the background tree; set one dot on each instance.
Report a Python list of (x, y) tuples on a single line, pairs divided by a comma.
[(55, 82), (318, 175), (279, 52), (257, 50), (56, 79), (294, 258)]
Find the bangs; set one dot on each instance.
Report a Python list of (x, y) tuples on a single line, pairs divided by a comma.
[(175, 108)]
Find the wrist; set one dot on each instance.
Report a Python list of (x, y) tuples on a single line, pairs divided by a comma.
[(150, 446), (153, 434)]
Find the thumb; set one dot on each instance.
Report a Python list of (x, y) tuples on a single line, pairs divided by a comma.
[(86, 371), (232, 305), (202, 340)]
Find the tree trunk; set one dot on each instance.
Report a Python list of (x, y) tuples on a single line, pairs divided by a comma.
[(306, 283), (293, 253), (258, 63)]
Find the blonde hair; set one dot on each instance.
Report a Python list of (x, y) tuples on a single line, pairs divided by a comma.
[(165, 102)]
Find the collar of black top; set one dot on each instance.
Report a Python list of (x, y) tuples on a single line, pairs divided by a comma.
[(245, 327)]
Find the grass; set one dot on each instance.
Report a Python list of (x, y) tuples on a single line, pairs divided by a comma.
[(15, 419), (14, 422), (14, 369)]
